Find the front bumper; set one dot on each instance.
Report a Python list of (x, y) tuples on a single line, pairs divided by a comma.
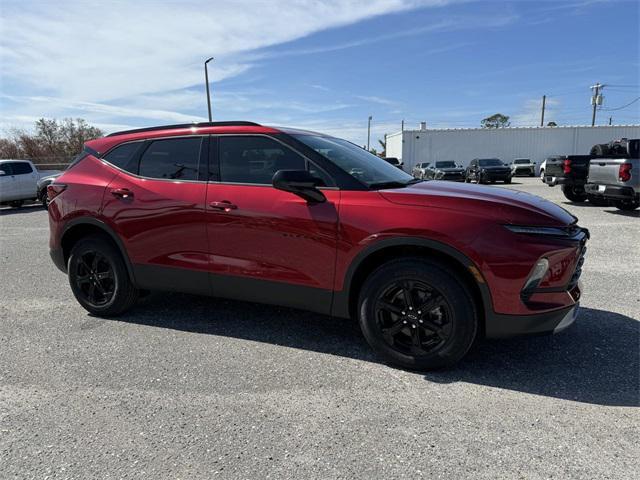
[(617, 192), (523, 171), (57, 255), (502, 326)]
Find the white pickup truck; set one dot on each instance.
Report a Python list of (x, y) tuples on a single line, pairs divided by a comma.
[(18, 181)]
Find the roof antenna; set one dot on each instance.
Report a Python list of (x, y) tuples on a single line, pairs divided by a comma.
[(206, 79)]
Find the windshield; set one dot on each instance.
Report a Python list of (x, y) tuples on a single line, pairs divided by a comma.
[(367, 168), (445, 164), (490, 162), (520, 161)]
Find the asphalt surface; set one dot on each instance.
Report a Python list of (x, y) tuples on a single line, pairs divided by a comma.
[(189, 387)]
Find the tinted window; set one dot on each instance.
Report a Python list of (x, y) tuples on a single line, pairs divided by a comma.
[(445, 164), (521, 161), (173, 159), (356, 161), (6, 168), (20, 168), (123, 156), (490, 162), (255, 159)]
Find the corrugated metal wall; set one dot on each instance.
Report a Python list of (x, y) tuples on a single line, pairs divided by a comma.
[(463, 145)]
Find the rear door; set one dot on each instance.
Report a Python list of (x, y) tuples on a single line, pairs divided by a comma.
[(156, 204), (268, 245)]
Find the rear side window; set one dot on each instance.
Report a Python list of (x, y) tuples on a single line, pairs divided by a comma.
[(6, 168), (123, 156), (21, 168), (172, 159), (254, 160)]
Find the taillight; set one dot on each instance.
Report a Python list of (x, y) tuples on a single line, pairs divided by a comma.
[(624, 174), (55, 189), (566, 166)]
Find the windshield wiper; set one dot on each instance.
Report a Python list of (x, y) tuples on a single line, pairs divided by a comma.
[(392, 184)]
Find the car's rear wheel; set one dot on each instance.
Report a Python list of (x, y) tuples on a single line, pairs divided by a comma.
[(16, 203), (627, 205), (507, 180), (574, 193), (417, 314), (99, 278)]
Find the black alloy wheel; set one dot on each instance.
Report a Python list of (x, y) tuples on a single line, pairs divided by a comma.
[(417, 314), (413, 317), (95, 278), (99, 278)]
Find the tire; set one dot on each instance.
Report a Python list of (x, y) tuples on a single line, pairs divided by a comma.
[(600, 150), (532, 174), (44, 198), (106, 279), (597, 200), (482, 180), (444, 334), (573, 193), (627, 205), (466, 178), (507, 180), (16, 203), (542, 174)]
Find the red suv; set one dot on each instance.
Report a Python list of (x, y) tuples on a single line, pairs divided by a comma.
[(305, 220)]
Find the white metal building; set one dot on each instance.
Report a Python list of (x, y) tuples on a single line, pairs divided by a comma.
[(463, 145)]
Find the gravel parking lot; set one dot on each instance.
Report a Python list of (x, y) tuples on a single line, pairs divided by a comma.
[(189, 387)]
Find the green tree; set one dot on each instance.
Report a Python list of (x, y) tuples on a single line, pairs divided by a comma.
[(497, 120), (383, 144), (552, 124)]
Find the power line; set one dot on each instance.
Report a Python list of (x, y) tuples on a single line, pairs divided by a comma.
[(620, 108)]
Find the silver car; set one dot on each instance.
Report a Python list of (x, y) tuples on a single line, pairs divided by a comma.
[(523, 166), (420, 169)]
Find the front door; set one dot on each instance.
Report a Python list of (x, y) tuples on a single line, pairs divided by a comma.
[(267, 245), (157, 206)]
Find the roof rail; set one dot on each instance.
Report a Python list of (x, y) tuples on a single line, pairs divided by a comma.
[(186, 125)]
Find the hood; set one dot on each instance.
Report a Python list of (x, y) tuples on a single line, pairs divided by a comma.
[(501, 204), (496, 168), (451, 170)]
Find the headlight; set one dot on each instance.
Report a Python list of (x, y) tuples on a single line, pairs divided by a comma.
[(550, 231)]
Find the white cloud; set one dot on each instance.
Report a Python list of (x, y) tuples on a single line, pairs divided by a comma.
[(92, 50), (530, 114)]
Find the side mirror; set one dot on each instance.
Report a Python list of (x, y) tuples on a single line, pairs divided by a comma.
[(301, 183)]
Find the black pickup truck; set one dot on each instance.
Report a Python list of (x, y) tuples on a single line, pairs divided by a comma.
[(571, 172)]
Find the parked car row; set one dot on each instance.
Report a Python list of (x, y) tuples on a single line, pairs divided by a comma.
[(480, 170), (609, 174)]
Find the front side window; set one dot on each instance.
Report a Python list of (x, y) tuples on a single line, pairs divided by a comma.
[(21, 168), (123, 156), (255, 159), (172, 159), (369, 169)]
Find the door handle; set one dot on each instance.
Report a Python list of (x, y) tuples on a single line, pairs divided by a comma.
[(122, 193), (224, 205)]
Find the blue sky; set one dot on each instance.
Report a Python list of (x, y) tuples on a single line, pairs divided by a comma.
[(319, 65)]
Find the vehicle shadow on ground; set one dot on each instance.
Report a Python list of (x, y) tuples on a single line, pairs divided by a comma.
[(24, 209), (624, 213), (597, 360)]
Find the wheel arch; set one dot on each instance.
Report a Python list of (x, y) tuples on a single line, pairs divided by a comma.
[(79, 228), (345, 301)]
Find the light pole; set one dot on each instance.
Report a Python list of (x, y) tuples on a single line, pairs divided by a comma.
[(369, 133), (206, 79)]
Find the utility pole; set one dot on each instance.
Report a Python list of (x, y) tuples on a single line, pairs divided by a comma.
[(402, 126), (610, 119), (596, 100), (369, 133), (544, 102), (206, 79)]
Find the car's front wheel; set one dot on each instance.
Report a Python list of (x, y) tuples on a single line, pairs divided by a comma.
[(417, 314), (627, 205), (99, 278)]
